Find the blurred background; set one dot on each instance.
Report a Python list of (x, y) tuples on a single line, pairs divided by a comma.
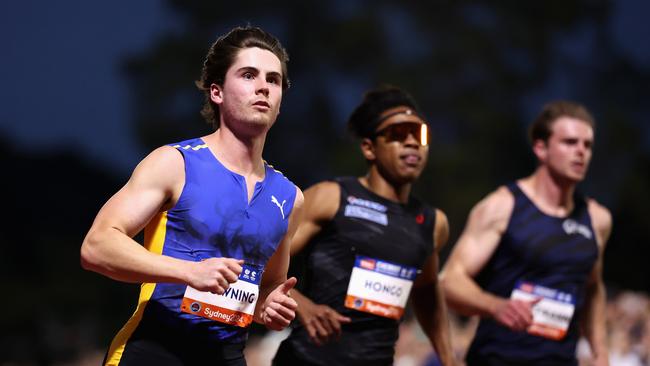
[(89, 88)]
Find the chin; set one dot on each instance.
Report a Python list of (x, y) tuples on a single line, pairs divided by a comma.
[(409, 177), (575, 179)]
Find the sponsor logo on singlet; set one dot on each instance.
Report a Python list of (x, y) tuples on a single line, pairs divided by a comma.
[(280, 206), (571, 227), (367, 210)]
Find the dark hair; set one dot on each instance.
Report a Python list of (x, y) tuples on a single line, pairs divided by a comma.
[(365, 118), (541, 127), (222, 55)]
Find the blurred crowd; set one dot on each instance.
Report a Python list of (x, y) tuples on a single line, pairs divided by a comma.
[(628, 322)]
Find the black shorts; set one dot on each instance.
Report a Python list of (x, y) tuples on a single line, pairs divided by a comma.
[(151, 352)]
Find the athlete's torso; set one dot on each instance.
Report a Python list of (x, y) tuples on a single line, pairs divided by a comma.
[(367, 225), (557, 253), (212, 218)]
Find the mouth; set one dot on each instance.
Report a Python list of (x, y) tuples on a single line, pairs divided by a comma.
[(262, 104), (411, 159), (579, 165)]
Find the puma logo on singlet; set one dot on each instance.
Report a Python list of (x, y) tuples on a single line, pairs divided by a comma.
[(571, 227), (280, 206)]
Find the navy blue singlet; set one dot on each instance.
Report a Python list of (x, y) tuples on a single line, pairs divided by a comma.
[(212, 218), (546, 251)]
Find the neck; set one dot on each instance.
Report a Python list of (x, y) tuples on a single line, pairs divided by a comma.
[(553, 194), (242, 155), (377, 184)]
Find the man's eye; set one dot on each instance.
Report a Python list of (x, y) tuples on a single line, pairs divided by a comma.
[(247, 75)]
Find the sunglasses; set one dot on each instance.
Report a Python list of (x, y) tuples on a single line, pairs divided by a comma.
[(401, 131)]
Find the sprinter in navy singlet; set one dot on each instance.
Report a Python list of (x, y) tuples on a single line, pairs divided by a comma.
[(529, 261), (217, 219), (370, 246)]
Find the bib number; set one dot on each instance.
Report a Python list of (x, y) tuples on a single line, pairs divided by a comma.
[(236, 306), (552, 314), (379, 287)]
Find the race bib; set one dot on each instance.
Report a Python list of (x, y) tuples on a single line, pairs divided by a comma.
[(379, 287), (552, 314), (235, 307)]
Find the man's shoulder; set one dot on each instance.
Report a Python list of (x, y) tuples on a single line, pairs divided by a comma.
[(193, 144), (324, 189), (500, 200), (601, 217), (278, 176), (494, 210)]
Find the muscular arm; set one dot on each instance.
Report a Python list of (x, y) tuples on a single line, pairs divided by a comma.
[(427, 297), (275, 308), (110, 250), (321, 204), (485, 226), (593, 320)]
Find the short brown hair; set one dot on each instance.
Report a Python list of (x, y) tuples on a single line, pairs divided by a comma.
[(222, 55), (541, 127)]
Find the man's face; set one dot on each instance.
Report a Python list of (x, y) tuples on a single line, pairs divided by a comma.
[(251, 95), (398, 154), (568, 151)]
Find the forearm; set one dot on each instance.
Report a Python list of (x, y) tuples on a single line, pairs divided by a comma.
[(113, 254), (434, 323), (464, 296), (593, 320)]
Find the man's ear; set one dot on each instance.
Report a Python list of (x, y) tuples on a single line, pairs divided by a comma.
[(540, 149), (368, 149), (216, 94)]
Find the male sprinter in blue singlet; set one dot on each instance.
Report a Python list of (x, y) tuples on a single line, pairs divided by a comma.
[(529, 261), (218, 222), (370, 247)]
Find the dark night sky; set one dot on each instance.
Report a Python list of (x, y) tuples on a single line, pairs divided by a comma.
[(62, 83), (63, 87)]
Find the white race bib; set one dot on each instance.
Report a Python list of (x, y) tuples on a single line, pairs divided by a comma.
[(235, 307), (379, 287), (552, 314)]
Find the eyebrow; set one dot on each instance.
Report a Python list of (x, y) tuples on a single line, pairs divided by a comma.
[(256, 71)]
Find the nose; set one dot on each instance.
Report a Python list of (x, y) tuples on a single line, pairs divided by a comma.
[(412, 141), (582, 148), (263, 88)]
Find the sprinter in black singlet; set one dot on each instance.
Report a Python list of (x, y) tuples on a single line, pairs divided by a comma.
[(529, 261), (370, 246)]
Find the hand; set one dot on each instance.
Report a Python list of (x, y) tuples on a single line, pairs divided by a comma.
[(279, 308), (321, 321), (600, 360), (515, 314), (215, 274)]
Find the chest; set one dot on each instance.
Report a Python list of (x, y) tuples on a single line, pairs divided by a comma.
[(557, 244), (368, 228)]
